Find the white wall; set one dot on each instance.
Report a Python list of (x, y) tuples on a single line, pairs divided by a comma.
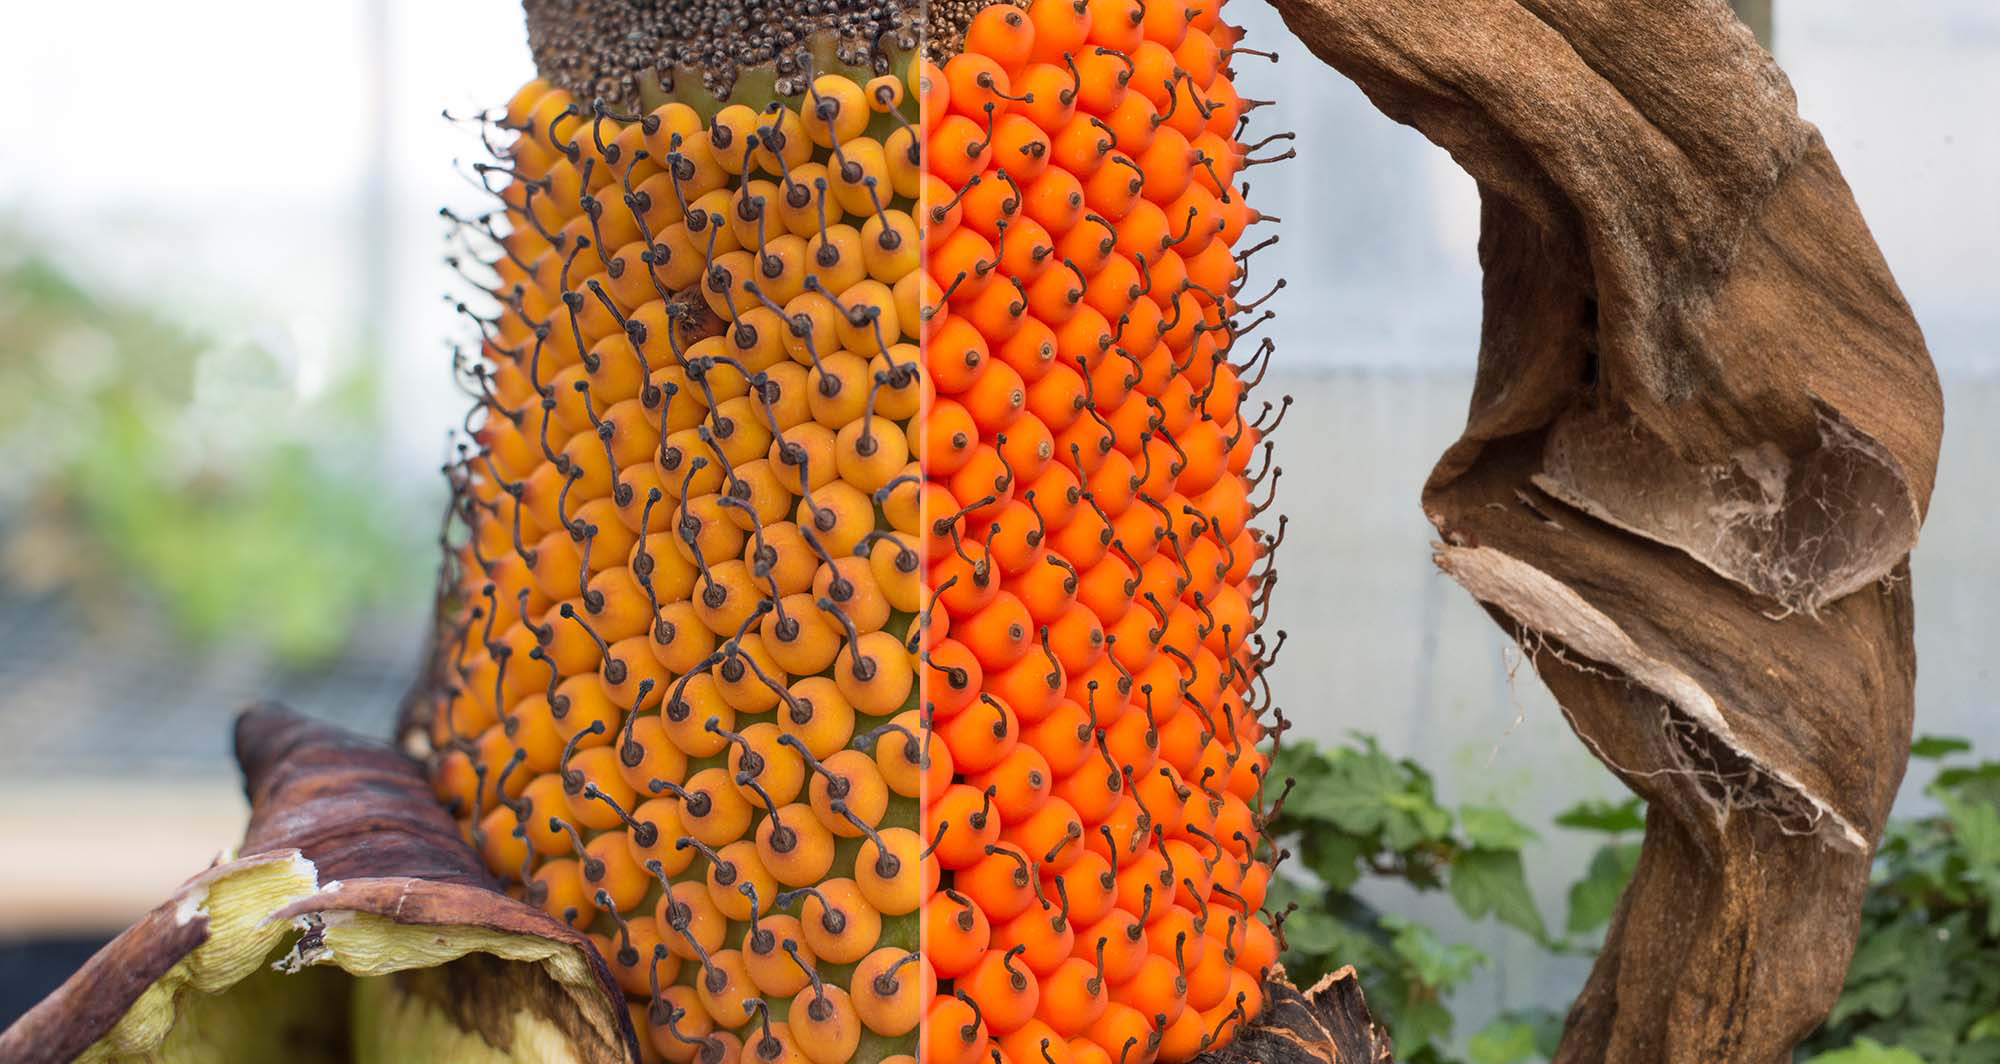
[(1381, 227), (223, 156)]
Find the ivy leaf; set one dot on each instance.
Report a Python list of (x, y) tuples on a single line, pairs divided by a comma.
[(1880, 998), (1934, 747), (1491, 828), (1438, 967), (1312, 932), (1886, 954), (1979, 783), (1420, 1025), (1610, 818), (1300, 761), (1492, 882), (1363, 791), (1977, 828), (1335, 857), (1592, 898), (1414, 819)]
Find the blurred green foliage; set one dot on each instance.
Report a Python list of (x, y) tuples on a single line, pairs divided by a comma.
[(156, 473), (1356, 814), (1924, 985), (1925, 981)]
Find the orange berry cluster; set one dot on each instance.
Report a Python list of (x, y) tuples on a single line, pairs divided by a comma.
[(675, 689), (1089, 664)]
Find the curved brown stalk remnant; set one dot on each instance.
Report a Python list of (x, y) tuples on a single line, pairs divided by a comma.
[(1702, 439), (349, 865), (1328, 1024)]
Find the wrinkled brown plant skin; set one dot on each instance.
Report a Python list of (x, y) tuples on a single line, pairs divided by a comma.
[(355, 806), (1679, 291), (365, 815), (89, 1003), (1328, 1024), (362, 813)]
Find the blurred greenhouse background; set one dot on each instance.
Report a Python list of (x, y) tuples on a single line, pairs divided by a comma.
[(224, 398)]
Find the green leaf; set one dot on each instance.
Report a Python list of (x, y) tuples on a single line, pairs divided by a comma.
[(1299, 761), (1886, 952), (1611, 818), (1979, 783), (1363, 791), (1420, 1025), (1987, 1026), (1921, 985), (1867, 1051), (1437, 967), (1334, 857), (1592, 898), (1882, 998), (1491, 828), (1311, 932), (1977, 827), (1934, 747), (1492, 882), (1505, 1041)]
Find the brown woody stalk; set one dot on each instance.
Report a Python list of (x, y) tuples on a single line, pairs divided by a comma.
[(1703, 436)]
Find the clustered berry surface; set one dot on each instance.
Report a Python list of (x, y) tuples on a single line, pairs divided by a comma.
[(674, 702), (850, 601), (1090, 663)]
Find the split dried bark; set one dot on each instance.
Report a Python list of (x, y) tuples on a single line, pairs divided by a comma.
[(1702, 439)]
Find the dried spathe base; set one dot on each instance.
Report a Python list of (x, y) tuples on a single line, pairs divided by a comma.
[(258, 928), (1327, 1024), (224, 911), (421, 1015), (357, 877)]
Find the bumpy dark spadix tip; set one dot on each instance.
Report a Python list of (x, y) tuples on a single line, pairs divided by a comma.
[(609, 49)]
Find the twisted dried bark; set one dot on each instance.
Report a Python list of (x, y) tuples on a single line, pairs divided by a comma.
[(1703, 436)]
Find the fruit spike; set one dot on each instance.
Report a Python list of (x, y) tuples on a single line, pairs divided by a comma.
[(1092, 670), (850, 601), (680, 606)]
